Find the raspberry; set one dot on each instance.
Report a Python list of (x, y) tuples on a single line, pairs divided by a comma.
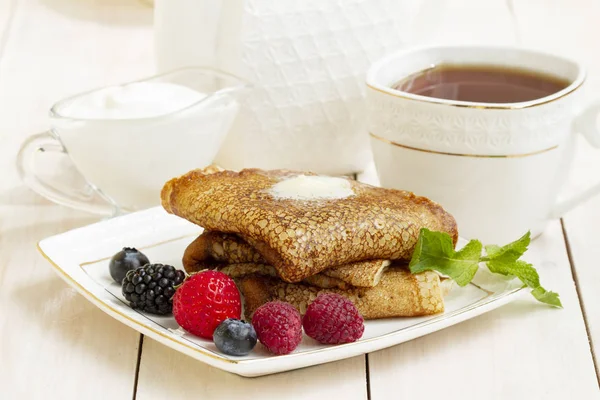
[(333, 319), (204, 300), (278, 326)]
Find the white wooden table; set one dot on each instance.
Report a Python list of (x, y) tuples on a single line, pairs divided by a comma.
[(54, 344)]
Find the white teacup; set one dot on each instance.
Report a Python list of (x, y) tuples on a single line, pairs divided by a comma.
[(497, 167), (127, 145)]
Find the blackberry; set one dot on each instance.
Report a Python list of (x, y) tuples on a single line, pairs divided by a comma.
[(151, 288)]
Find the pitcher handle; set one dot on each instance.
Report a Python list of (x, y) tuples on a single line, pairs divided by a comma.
[(586, 124), (86, 198)]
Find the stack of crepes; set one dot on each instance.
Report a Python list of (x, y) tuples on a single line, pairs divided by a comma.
[(285, 244)]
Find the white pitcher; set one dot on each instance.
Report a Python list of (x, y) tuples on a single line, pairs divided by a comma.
[(307, 60)]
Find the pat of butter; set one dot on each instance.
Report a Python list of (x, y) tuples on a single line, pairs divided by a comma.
[(307, 187)]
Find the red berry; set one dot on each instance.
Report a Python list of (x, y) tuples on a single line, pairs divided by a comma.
[(278, 326), (333, 319), (204, 300)]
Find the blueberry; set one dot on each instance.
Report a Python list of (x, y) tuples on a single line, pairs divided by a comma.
[(124, 261), (235, 337)]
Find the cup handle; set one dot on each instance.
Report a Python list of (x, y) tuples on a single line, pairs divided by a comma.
[(86, 198), (586, 124)]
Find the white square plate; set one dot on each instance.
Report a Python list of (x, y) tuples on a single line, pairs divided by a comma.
[(81, 258)]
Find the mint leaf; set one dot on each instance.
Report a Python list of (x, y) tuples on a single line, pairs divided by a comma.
[(505, 260), (546, 297), (509, 253), (521, 269), (435, 251)]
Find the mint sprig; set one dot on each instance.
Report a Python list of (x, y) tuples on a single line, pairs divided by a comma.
[(435, 251)]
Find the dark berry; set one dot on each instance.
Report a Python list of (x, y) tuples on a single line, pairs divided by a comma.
[(235, 337), (333, 319), (140, 287), (278, 326), (124, 261)]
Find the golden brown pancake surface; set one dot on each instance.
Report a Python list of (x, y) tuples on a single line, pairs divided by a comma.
[(300, 238)]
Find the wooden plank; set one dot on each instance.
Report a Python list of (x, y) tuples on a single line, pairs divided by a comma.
[(52, 341), (582, 227), (524, 350), (566, 27), (165, 373)]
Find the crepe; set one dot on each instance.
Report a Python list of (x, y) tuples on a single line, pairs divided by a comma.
[(399, 294), (215, 249), (301, 238), (361, 274), (237, 271), (368, 277)]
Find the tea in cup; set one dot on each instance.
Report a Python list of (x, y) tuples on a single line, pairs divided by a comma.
[(485, 131)]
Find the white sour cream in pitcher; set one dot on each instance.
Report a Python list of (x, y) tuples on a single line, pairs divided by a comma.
[(135, 100), (129, 140)]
